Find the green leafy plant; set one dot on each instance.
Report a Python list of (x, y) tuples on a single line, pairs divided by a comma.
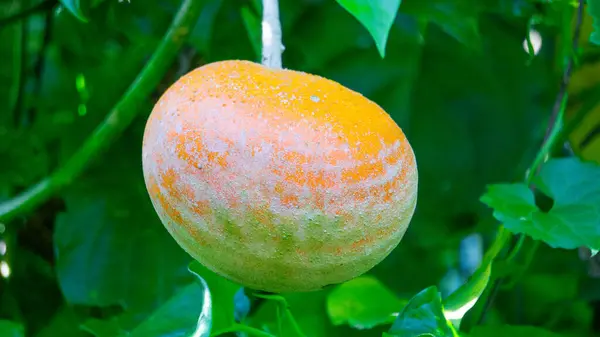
[(498, 98)]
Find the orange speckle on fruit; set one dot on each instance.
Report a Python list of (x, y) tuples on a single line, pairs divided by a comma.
[(308, 182)]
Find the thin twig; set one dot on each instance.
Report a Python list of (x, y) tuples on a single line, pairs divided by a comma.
[(116, 121), (550, 137), (272, 46)]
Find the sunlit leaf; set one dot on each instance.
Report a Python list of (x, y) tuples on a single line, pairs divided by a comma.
[(362, 303), (376, 15), (423, 316), (572, 221), (79, 8)]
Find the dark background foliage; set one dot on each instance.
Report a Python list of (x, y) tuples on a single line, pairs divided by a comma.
[(95, 260)]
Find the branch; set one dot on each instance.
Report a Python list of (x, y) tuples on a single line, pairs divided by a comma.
[(116, 121), (47, 5), (551, 137), (271, 35)]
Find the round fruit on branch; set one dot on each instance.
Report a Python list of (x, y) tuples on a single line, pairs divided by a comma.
[(279, 180)]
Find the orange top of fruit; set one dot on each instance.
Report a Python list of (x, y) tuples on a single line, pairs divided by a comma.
[(278, 179)]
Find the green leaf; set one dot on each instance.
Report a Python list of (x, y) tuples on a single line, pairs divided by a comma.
[(510, 330), (464, 298), (11, 329), (510, 200), (376, 15), (79, 8), (423, 316), (188, 312), (111, 247), (362, 303), (572, 221), (593, 8)]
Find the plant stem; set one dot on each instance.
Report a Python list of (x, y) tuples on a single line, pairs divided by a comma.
[(528, 259), (511, 256), (551, 138), (272, 46), (282, 301), (116, 121), (502, 237), (242, 328)]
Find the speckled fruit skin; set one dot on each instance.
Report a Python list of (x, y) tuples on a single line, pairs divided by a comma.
[(278, 180)]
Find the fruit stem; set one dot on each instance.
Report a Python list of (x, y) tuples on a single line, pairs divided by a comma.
[(272, 46), (117, 120)]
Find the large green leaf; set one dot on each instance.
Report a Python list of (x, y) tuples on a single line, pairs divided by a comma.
[(376, 15), (11, 329), (65, 323), (363, 303), (572, 221), (111, 249), (187, 313)]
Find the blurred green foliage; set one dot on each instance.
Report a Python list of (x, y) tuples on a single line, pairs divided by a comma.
[(94, 259)]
